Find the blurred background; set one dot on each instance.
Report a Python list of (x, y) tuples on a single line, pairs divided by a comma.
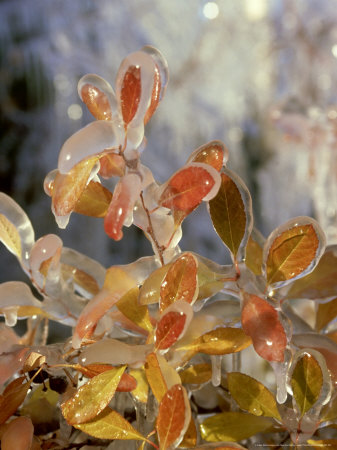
[(260, 75)]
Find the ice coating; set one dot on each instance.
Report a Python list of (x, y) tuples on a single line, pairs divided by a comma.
[(16, 293), (48, 183), (8, 338), (214, 174), (281, 370), (112, 351), (98, 95), (292, 223), (162, 66), (48, 247), (214, 153), (90, 141), (18, 435), (144, 62), (11, 362), (216, 361), (15, 214)]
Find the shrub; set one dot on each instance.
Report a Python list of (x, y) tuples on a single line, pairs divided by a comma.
[(160, 347)]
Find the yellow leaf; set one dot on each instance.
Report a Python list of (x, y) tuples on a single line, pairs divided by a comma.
[(254, 253), (196, 374), (150, 291), (252, 395), (81, 278), (291, 253), (320, 444), (142, 389), (138, 314), (92, 397), (220, 341), (209, 282), (306, 382), (94, 200), (154, 376), (234, 426), (321, 282), (326, 312), (228, 211), (9, 236), (110, 425), (190, 437)]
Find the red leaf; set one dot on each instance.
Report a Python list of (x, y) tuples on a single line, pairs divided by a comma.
[(214, 153), (173, 417), (187, 188), (169, 329), (260, 321), (155, 97), (130, 93), (111, 165)]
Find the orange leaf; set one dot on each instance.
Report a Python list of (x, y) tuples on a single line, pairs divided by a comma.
[(291, 252), (96, 101), (130, 93), (155, 97), (67, 188), (173, 417), (230, 215), (154, 376), (94, 200), (92, 397), (260, 321), (180, 282), (212, 153), (169, 329), (18, 435), (188, 187), (111, 165), (81, 278), (12, 398)]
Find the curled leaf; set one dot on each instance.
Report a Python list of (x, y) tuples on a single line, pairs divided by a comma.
[(260, 321), (92, 397), (174, 416), (231, 213), (293, 250)]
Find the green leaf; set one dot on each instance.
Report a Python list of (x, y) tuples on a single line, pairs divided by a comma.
[(321, 282), (110, 425), (234, 426), (252, 395), (306, 382), (92, 397)]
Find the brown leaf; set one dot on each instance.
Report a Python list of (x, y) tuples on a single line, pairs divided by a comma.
[(180, 282), (228, 212), (326, 312), (291, 252), (130, 93), (173, 417), (94, 200), (12, 398), (92, 397), (260, 321)]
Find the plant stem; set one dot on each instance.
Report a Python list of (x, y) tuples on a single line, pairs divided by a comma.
[(151, 232)]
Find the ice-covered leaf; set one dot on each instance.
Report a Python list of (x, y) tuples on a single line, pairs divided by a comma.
[(220, 341), (94, 200), (90, 141), (196, 374), (214, 153), (124, 197), (140, 392), (189, 186), (306, 382), (254, 252), (110, 425), (13, 217), (80, 278), (98, 95), (292, 250), (130, 93), (68, 188), (173, 417), (191, 436), (211, 277), (234, 426), (169, 329), (180, 282), (111, 165), (326, 312), (92, 397), (261, 322), (138, 314), (321, 283), (126, 383), (150, 290), (12, 398), (230, 211), (117, 283), (9, 236), (252, 395), (18, 435)]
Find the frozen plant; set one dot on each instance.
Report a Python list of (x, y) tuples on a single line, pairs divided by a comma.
[(146, 362)]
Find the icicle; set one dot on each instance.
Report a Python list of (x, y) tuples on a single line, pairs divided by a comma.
[(281, 374), (216, 361)]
